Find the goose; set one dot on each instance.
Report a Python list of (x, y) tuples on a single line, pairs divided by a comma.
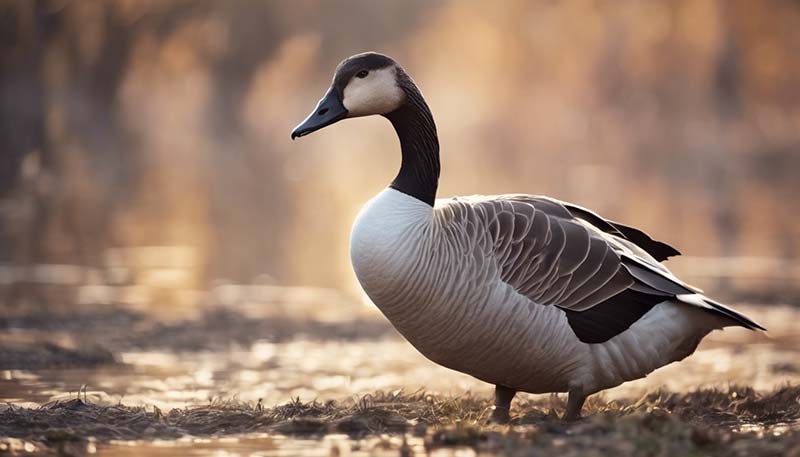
[(525, 292)]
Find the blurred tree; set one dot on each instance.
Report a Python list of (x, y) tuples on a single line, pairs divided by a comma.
[(146, 123)]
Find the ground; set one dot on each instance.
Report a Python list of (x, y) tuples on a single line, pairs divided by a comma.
[(114, 380)]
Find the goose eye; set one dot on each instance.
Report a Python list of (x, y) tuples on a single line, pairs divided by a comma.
[(362, 74)]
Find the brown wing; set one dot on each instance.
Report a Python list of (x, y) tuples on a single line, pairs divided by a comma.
[(659, 250), (548, 255), (554, 254)]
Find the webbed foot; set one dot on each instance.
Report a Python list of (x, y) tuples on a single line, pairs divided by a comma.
[(502, 405)]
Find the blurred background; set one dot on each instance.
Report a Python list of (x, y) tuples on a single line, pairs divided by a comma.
[(146, 158), (163, 242)]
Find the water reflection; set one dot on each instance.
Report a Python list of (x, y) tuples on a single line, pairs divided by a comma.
[(263, 445)]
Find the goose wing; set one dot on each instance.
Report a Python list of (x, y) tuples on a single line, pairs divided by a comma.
[(657, 251), (604, 275)]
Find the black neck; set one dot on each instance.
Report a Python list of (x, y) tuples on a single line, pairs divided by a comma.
[(413, 122)]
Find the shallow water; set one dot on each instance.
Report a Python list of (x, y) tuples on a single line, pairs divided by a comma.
[(264, 445), (272, 373)]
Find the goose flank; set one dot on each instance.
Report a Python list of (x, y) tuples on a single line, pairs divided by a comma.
[(521, 291)]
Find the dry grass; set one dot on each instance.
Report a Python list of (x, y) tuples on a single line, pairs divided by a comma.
[(736, 421)]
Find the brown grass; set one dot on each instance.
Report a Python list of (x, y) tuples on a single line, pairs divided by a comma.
[(734, 421)]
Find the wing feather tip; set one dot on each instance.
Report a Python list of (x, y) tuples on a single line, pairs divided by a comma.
[(743, 320), (713, 306)]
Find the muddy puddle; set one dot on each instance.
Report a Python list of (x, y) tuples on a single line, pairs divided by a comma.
[(227, 384)]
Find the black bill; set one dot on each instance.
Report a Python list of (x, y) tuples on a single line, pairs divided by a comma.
[(328, 111)]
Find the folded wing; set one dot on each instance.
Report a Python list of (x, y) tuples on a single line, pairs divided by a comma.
[(604, 275)]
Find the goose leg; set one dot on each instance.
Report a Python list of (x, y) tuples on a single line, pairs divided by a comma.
[(574, 405), (502, 404)]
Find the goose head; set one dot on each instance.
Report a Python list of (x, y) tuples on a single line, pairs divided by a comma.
[(363, 85)]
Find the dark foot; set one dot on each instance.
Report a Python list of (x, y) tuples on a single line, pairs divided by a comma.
[(571, 417), (574, 405), (499, 416), (502, 405)]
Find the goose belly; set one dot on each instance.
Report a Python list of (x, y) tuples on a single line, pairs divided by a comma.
[(502, 338), (494, 335), (486, 330)]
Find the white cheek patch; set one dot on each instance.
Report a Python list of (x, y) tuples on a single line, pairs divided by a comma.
[(378, 93)]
